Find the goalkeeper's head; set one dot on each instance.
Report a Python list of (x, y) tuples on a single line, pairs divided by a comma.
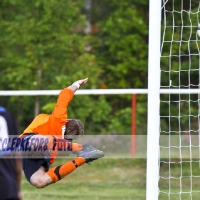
[(74, 128)]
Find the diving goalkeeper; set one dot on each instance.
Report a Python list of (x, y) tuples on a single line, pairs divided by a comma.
[(57, 127)]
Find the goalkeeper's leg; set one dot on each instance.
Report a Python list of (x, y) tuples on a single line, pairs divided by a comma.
[(43, 177)]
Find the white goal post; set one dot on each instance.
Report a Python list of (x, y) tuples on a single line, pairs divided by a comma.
[(153, 119)]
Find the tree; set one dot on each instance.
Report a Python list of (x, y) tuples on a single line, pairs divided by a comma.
[(42, 47), (121, 48)]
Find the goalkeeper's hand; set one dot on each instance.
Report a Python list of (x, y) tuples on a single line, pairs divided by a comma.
[(77, 84), (80, 82)]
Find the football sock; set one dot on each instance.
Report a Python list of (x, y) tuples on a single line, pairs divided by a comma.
[(59, 172), (76, 147)]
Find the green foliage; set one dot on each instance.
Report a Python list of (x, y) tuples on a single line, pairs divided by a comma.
[(121, 49), (41, 40), (107, 179), (123, 46), (121, 122), (43, 47)]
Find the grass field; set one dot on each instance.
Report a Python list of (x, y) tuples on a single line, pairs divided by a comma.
[(120, 179), (104, 179)]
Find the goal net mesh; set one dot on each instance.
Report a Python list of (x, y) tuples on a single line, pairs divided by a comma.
[(179, 174)]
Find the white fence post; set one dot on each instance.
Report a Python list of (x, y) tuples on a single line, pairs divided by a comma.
[(153, 100)]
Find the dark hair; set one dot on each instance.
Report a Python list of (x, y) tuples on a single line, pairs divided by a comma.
[(74, 129)]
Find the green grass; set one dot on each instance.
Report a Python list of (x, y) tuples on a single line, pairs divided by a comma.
[(104, 179), (120, 179)]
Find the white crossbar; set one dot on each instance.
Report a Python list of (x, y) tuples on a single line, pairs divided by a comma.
[(95, 92)]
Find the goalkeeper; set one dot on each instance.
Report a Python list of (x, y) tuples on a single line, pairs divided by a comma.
[(57, 127)]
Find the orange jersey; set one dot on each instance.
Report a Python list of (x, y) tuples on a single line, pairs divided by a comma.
[(53, 124)]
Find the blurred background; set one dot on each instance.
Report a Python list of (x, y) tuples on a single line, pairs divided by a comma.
[(46, 45)]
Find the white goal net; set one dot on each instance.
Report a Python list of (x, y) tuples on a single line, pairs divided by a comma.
[(179, 165)]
